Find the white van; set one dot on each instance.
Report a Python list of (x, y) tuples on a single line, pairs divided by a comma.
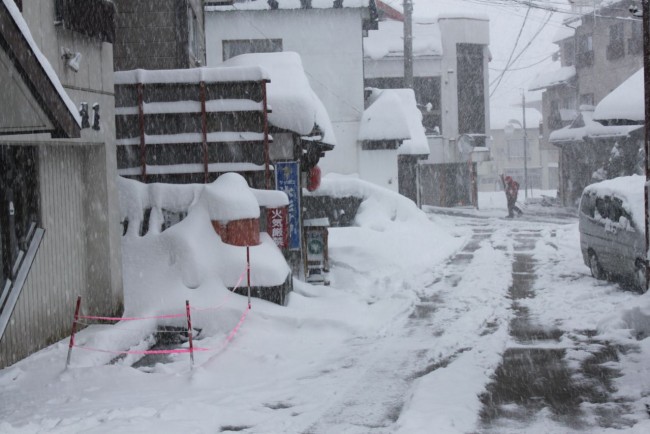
[(612, 230)]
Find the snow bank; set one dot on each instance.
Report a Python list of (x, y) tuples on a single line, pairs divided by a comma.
[(189, 260), (391, 231)]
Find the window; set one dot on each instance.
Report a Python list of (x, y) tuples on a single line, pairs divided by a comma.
[(516, 149), (616, 47), (587, 99), (194, 35), (569, 53), (585, 55), (555, 118), (635, 43), (94, 18), (19, 206), (234, 48)]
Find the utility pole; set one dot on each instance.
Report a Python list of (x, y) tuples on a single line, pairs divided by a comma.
[(523, 115), (408, 44), (646, 84)]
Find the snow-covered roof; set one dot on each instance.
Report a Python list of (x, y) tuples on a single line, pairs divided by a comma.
[(627, 188), (394, 115), (295, 105), (584, 126), (624, 102), (464, 16), (256, 5), (388, 40), (192, 75), (17, 17), (384, 119), (564, 32), (500, 117), (553, 78)]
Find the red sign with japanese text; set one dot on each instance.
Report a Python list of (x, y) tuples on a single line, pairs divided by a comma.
[(277, 226)]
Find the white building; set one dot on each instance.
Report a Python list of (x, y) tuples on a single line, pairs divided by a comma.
[(327, 38), (450, 69)]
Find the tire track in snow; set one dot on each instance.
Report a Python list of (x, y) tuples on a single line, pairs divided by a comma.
[(462, 304)]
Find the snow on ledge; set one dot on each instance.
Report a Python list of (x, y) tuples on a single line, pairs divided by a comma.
[(193, 75), (296, 107)]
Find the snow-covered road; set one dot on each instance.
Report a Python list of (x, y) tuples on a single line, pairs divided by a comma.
[(508, 334)]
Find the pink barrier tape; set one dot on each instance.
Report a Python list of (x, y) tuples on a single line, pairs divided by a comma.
[(111, 318), (237, 327), (143, 352)]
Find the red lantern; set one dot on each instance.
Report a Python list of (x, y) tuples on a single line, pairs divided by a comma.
[(313, 178)]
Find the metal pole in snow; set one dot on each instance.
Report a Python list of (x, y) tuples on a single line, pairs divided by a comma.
[(248, 273), (523, 115), (74, 330), (646, 83), (204, 132), (143, 144), (408, 44), (189, 332)]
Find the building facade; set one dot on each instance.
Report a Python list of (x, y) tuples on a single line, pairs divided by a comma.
[(597, 52), (60, 214)]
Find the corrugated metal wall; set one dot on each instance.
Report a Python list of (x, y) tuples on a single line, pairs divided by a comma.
[(46, 305)]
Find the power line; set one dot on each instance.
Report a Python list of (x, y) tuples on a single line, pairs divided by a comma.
[(512, 52)]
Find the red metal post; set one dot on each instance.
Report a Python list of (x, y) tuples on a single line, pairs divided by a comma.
[(74, 330), (204, 131), (248, 273), (266, 138), (189, 332), (143, 145)]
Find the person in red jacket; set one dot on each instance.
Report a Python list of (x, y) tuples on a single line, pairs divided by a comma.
[(511, 188)]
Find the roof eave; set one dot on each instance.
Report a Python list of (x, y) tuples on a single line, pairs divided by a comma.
[(36, 79)]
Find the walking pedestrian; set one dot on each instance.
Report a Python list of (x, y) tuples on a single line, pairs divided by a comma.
[(511, 188)]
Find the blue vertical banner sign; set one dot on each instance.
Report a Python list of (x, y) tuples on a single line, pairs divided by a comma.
[(287, 179)]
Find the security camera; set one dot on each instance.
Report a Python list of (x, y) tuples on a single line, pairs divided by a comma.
[(74, 61)]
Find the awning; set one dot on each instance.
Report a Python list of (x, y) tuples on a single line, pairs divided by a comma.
[(554, 78), (34, 100)]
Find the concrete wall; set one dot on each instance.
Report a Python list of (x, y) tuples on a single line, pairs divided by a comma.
[(81, 252), (329, 42)]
